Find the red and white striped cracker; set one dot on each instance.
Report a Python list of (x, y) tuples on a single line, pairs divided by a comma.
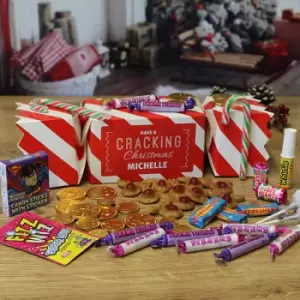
[(59, 134), (223, 143), (97, 156)]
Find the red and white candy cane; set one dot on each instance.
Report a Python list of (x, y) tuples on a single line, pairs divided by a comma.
[(40, 104), (246, 129)]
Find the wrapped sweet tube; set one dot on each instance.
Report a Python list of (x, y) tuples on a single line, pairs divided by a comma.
[(207, 212), (157, 106), (137, 243), (260, 171), (252, 229), (129, 233), (126, 102), (288, 238), (244, 247), (271, 194), (253, 210), (170, 239), (231, 216), (207, 243)]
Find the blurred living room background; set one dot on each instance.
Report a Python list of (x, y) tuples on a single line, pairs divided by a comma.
[(121, 47)]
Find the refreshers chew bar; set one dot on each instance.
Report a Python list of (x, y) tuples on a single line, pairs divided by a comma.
[(207, 212)]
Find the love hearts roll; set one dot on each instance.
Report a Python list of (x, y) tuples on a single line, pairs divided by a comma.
[(289, 237)]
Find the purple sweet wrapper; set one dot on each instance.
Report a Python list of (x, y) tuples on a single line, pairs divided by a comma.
[(244, 247), (129, 233), (170, 239)]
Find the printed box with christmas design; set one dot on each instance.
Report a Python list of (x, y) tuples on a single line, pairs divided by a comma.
[(224, 142), (140, 145), (61, 136)]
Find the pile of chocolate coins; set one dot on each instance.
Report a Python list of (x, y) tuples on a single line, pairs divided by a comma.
[(96, 211)]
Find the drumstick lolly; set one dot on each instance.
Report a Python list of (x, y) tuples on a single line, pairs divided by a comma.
[(295, 204)]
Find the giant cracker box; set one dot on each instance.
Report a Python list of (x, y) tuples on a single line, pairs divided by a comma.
[(140, 145)]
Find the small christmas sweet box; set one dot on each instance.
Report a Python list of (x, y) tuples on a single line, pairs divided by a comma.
[(24, 183), (59, 133), (140, 145), (236, 135)]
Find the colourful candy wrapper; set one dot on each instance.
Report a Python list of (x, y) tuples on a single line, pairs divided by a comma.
[(170, 239), (271, 193), (207, 212), (207, 243), (258, 210), (252, 229), (129, 233), (137, 243), (289, 237), (229, 215), (244, 247), (260, 176), (45, 238)]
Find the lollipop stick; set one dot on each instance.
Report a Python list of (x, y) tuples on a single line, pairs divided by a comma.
[(272, 217)]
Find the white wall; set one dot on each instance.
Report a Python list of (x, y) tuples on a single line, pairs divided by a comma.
[(90, 15), (285, 4), (139, 11), (122, 14)]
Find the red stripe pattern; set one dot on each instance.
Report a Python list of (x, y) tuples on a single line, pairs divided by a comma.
[(224, 158), (97, 150), (64, 172)]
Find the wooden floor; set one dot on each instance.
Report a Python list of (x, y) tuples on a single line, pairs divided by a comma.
[(138, 81)]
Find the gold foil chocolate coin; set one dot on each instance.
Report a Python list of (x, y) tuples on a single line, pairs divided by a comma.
[(63, 208), (113, 225), (106, 202), (180, 97), (107, 213), (63, 219), (100, 192), (75, 193), (127, 208), (99, 233), (87, 223), (135, 220), (85, 210)]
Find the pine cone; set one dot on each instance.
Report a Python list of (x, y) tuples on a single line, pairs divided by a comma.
[(218, 90), (263, 93)]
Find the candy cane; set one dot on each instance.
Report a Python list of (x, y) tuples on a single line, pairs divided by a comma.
[(246, 129), (38, 104), (39, 108)]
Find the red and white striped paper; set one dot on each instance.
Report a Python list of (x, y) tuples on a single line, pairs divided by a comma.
[(60, 135), (108, 162), (224, 142)]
